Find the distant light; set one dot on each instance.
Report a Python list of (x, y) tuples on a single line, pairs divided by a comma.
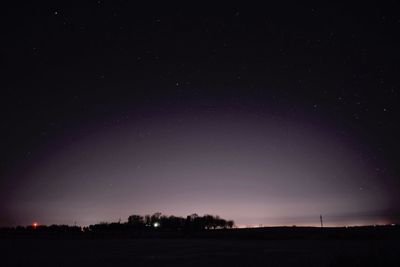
[(35, 224), (156, 224)]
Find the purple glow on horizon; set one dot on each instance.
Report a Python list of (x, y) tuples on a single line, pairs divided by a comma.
[(253, 169)]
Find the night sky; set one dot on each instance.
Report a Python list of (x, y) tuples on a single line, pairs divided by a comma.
[(267, 115)]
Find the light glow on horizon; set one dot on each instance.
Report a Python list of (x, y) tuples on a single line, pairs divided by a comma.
[(270, 171)]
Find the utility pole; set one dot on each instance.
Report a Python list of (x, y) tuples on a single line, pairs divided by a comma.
[(320, 218)]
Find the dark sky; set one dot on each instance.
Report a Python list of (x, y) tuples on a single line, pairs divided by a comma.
[(268, 115)]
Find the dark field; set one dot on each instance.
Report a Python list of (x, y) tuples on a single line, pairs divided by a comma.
[(196, 252)]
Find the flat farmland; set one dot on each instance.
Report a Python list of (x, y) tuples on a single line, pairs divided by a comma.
[(196, 252)]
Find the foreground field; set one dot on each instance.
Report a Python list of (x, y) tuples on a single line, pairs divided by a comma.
[(197, 252)]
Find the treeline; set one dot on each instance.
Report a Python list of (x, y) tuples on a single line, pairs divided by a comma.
[(135, 224), (160, 222), (193, 222)]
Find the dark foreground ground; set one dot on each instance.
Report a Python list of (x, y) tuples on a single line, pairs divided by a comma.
[(196, 252)]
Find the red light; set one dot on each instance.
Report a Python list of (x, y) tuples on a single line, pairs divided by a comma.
[(35, 224)]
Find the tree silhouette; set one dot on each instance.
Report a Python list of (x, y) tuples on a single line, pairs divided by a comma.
[(136, 222), (155, 218)]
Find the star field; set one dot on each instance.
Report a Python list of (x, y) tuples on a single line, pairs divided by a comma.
[(274, 103)]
